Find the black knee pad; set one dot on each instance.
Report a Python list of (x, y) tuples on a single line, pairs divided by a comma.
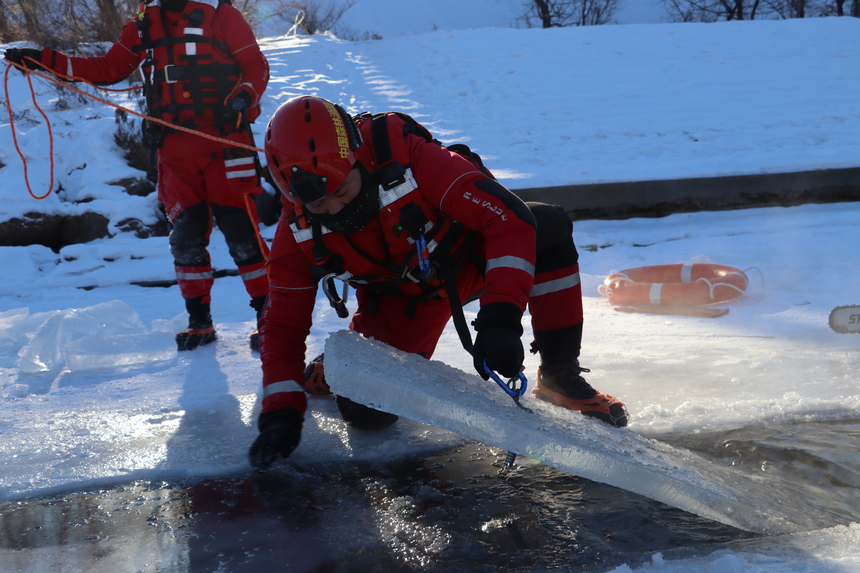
[(554, 242), (239, 233), (189, 236)]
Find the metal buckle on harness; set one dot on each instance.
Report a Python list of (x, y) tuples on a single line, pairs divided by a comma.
[(169, 71), (418, 276)]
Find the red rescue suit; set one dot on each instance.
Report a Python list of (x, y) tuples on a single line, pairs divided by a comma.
[(195, 61), (451, 192)]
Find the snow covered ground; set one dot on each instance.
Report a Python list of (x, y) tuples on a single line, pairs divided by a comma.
[(93, 392)]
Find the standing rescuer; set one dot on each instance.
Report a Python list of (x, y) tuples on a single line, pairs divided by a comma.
[(416, 227), (202, 70)]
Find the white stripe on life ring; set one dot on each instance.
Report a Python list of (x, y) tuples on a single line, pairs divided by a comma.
[(654, 295), (687, 273)]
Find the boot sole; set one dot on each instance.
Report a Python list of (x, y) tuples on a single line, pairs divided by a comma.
[(602, 407), (193, 338)]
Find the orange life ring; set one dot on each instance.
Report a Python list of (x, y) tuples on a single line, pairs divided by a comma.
[(674, 285)]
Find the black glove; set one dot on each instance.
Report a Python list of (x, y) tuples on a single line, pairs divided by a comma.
[(236, 107), (16, 56), (498, 340), (280, 432)]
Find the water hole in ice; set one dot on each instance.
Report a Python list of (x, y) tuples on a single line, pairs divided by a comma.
[(451, 511)]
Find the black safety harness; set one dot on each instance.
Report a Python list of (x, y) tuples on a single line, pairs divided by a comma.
[(455, 248), (204, 79)]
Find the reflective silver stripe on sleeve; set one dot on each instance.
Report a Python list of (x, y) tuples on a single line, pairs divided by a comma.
[(511, 262), (286, 386), (253, 274), (194, 276), (239, 161), (556, 285), (240, 174)]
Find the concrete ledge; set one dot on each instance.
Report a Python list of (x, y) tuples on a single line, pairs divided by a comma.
[(660, 198)]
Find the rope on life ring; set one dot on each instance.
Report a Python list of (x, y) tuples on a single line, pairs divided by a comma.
[(687, 284)]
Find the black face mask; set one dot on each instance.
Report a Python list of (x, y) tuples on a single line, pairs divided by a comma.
[(357, 213)]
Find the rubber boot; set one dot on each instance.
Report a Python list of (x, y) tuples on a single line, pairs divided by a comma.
[(258, 303), (200, 330), (363, 417), (315, 377), (560, 381)]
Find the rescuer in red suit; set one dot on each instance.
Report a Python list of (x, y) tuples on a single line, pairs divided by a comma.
[(410, 224), (202, 70)]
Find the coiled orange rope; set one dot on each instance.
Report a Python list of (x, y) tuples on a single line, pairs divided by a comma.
[(50, 78), (15, 137)]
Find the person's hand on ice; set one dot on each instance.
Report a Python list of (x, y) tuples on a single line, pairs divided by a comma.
[(280, 432)]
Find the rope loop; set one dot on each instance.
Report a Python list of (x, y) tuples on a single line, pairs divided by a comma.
[(28, 72), (15, 136)]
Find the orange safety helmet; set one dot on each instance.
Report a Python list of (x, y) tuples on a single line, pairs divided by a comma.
[(311, 146)]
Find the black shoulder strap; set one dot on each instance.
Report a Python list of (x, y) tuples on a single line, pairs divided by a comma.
[(413, 127), (392, 173), (379, 133)]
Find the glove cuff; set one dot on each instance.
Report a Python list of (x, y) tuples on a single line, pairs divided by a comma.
[(284, 415), (500, 315)]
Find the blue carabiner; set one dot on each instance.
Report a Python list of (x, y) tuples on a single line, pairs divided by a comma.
[(423, 254), (508, 386)]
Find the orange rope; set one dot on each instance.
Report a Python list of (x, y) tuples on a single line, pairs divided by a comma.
[(28, 71), (15, 137)]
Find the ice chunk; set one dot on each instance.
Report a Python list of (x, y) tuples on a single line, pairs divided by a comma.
[(18, 390), (93, 352), (107, 334), (17, 326), (434, 393), (44, 353)]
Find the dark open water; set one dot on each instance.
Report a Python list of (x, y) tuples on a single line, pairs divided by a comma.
[(453, 511)]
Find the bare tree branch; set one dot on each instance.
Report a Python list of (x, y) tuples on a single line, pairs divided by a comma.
[(563, 13)]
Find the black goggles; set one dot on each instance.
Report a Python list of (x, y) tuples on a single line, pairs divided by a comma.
[(307, 187)]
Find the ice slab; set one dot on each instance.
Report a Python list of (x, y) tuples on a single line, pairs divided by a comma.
[(108, 334), (93, 352), (434, 393)]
